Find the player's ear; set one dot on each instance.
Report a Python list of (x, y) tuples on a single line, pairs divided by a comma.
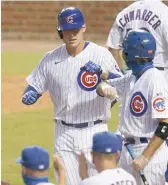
[(83, 28), (93, 157), (118, 155)]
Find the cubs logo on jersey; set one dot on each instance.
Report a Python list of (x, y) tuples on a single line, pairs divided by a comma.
[(159, 104), (88, 81), (138, 104)]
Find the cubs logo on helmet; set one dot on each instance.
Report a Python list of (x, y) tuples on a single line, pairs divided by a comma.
[(159, 104), (69, 19), (138, 104), (88, 81)]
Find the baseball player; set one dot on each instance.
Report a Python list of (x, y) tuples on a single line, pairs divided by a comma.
[(149, 15), (144, 113), (35, 165), (78, 110), (105, 152)]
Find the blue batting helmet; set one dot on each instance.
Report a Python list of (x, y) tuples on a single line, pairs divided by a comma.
[(139, 44), (70, 18)]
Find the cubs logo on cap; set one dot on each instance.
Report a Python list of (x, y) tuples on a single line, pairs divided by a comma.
[(69, 19), (34, 157), (106, 142), (88, 81), (138, 104), (159, 104)]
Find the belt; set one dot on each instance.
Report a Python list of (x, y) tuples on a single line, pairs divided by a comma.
[(132, 140), (80, 125), (160, 68)]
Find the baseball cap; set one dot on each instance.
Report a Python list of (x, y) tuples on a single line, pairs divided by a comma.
[(34, 157), (107, 142)]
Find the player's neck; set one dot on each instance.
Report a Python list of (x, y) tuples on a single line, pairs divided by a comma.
[(74, 51), (105, 165)]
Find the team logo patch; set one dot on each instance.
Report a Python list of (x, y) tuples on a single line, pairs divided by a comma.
[(138, 104), (88, 81), (69, 19), (159, 104)]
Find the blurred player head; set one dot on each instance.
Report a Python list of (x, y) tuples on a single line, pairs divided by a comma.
[(139, 49), (35, 165), (71, 26), (106, 150)]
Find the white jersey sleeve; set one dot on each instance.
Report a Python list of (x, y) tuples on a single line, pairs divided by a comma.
[(159, 96), (38, 77), (121, 84), (115, 38)]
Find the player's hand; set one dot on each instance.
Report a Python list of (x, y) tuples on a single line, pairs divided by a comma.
[(140, 163), (92, 68), (59, 168), (83, 169), (30, 97), (4, 183), (58, 164), (105, 90)]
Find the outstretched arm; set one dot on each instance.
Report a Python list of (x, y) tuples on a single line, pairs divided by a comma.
[(30, 95), (83, 169), (59, 167), (96, 69), (160, 136)]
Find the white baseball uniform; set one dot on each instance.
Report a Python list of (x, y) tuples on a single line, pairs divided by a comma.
[(73, 93), (116, 176), (150, 15), (143, 101)]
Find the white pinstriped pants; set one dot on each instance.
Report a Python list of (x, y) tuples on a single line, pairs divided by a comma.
[(155, 169), (69, 142)]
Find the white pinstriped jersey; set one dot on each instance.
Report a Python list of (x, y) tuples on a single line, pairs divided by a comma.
[(149, 15), (73, 92), (114, 176), (143, 102)]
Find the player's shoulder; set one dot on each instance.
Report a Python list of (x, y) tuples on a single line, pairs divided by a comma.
[(97, 47), (109, 176), (56, 54), (154, 73), (155, 76), (99, 50), (90, 181), (124, 175), (147, 4), (127, 9)]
